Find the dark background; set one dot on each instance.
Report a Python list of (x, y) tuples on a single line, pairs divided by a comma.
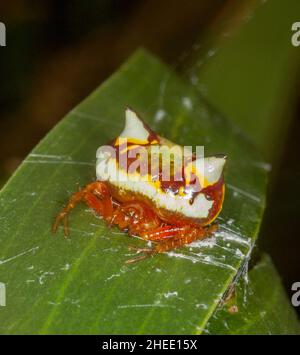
[(59, 51)]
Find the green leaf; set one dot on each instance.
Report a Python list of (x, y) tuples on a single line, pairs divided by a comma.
[(262, 303), (81, 284)]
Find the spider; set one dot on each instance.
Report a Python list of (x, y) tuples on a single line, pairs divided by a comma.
[(142, 189)]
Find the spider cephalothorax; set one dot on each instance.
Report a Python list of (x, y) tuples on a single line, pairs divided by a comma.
[(153, 188)]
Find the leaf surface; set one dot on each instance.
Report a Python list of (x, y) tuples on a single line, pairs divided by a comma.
[(81, 284)]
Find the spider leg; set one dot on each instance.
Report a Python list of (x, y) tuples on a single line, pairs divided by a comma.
[(161, 235), (172, 237), (162, 232), (189, 235), (146, 255), (136, 216), (147, 252), (95, 195)]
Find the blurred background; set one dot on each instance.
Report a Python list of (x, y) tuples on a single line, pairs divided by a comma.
[(58, 51)]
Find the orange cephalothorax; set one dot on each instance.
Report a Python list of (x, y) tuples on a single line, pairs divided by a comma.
[(153, 188)]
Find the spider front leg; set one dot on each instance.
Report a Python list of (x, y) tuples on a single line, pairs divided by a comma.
[(96, 195)]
